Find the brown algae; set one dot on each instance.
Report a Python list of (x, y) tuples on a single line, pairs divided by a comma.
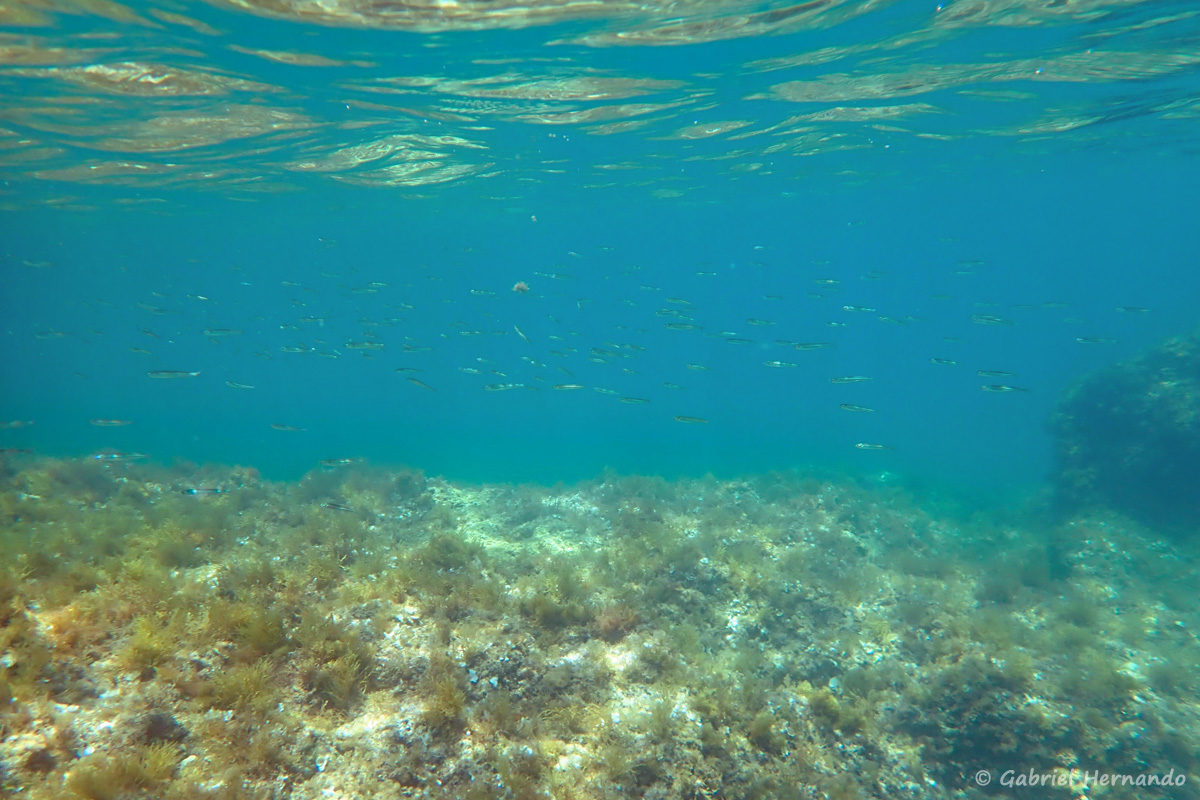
[(374, 633)]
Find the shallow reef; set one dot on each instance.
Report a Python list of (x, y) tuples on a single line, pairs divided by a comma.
[(198, 632), (1128, 438)]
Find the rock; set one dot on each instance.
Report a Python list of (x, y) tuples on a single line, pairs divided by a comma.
[(1128, 437), (158, 726), (40, 760)]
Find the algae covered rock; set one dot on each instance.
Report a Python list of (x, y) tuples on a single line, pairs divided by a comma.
[(1128, 437)]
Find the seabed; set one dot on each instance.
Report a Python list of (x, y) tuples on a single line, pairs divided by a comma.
[(198, 632)]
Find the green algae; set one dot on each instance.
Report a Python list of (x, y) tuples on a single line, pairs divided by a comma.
[(772, 637)]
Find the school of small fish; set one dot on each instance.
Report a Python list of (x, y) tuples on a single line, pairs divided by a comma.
[(545, 334)]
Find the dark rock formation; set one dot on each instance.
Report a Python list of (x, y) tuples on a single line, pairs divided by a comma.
[(1128, 437)]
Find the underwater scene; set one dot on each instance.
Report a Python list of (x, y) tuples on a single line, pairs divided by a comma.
[(584, 400)]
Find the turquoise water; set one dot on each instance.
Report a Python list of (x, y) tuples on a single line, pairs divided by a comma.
[(299, 298), (879, 179)]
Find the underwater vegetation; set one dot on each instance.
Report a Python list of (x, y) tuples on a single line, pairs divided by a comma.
[(374, 633), (1128, 437)]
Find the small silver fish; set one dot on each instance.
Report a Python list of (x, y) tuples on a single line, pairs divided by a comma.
[(989, 319), (112, 455), (339, 462), (171, 373)]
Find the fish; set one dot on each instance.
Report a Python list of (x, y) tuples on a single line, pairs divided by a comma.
[(567, 386), (990, 319), (112, 455), (944, 362), (870, 446), (691, 420), (850, 379), (994, 373), (333, 505), (364, 345), (863, 309), (110, 423), (339, 462), (202, 490), (236, 385), (1094, 340), (779, 364), (852, 407), (635, 401), (288, 428), (811, 345), (520, 333), (218, 332), (1001, 387), (171, 373), (762, 323), (503, 387), (421, 383)]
